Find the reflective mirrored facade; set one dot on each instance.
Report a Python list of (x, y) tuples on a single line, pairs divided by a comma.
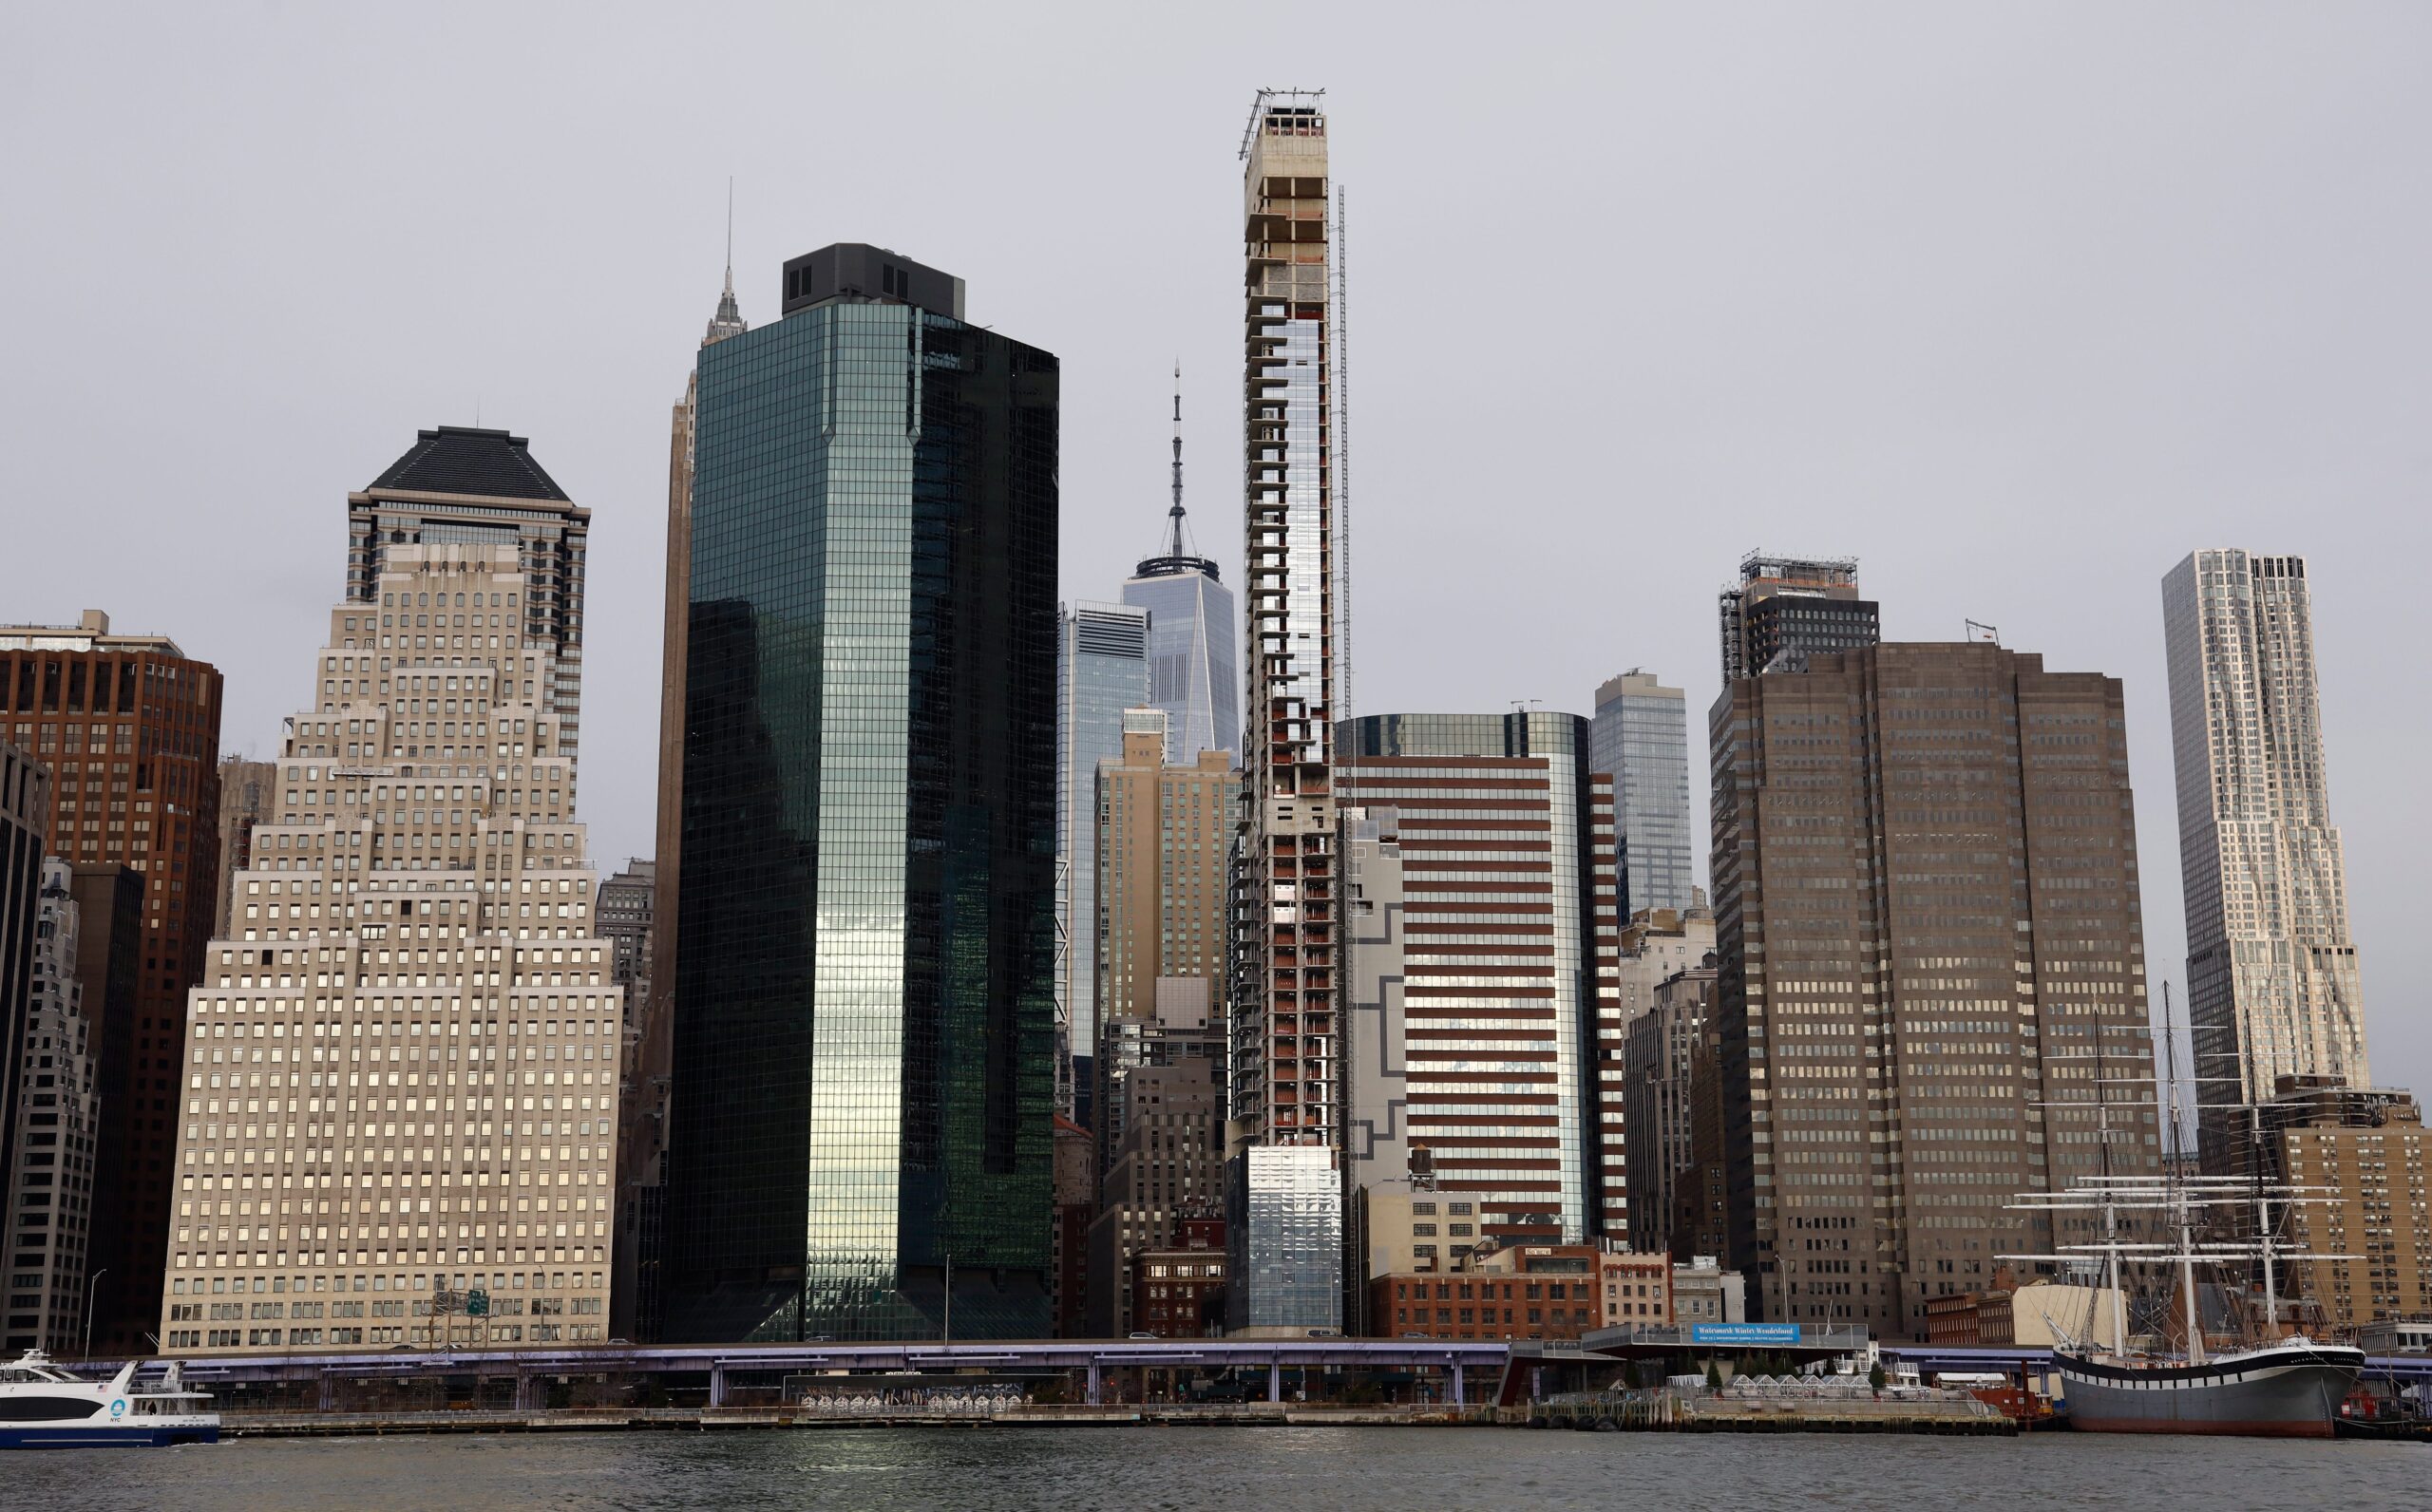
[(864, 1054), (1191, 674), (1284, 1226), (1641, 740), (1101, 670)]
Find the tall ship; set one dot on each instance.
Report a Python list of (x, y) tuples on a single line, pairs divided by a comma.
[(2115, 1381), (44, 1406), (2112, 1381)]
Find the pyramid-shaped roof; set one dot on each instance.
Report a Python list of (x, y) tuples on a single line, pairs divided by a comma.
[(461, 460)]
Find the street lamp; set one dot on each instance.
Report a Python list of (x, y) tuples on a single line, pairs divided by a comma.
[(91, 1282)]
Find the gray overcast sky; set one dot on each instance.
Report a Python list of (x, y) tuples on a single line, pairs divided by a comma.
[(2017, 304)]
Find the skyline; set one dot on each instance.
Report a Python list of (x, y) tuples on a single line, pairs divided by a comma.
[(1925, 341)]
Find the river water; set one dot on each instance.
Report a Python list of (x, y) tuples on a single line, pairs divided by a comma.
[(1318, 1469)]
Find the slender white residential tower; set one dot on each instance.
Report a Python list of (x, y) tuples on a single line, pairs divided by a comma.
[(2272, 979)]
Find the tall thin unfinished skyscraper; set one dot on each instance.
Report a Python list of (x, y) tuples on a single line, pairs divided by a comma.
[(1283, 1191), (1284, 1070), (2272, 979)]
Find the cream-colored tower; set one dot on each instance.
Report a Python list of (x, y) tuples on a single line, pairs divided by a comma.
[(2272, 983), (401, 1079)]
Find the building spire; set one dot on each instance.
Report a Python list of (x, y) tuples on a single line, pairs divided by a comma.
[(1175, 548), (729, 321), (1175, 545)]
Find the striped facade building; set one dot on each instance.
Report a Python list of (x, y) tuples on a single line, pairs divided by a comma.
[(1488, 986)]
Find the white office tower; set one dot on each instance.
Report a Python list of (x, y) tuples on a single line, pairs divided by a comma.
[(401, 1082), (2272, 979)]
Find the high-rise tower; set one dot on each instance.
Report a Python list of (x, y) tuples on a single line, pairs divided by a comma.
[(641, 1142), (865, 1032), (1285, 1075), (129, 727), (1283, 1194), (2272, 987), (400, 1074), (1489, 983), (49, 1176), (1157, 1113), (24, 821), (1931, 986), (1784, 608), (1190, 634), (1159, 830), (1101, 670), (1641, 739)]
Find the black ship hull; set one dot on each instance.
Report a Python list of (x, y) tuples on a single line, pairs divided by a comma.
[(2291, 1390)]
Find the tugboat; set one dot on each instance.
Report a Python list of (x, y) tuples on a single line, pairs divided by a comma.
[(42, 1406)]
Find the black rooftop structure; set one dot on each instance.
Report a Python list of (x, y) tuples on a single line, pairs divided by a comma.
[(860, 274), (461, 460)]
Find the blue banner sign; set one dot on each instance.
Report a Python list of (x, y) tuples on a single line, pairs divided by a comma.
[(1743, 1333)]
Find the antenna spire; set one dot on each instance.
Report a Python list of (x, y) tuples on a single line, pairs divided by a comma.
[(729, 321), (1175, 546), (1175, 550)]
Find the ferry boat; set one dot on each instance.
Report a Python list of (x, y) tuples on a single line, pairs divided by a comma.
[(44, 1406)]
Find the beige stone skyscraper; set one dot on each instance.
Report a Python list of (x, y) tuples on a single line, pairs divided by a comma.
[(401, 1065), (246, 789), (1159, 879), (1159, 919)]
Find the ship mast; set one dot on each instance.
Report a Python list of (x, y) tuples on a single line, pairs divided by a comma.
[(2180, 1213), (2110, 1209)]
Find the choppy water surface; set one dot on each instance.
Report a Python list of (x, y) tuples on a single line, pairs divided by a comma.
[(1244, 1469)]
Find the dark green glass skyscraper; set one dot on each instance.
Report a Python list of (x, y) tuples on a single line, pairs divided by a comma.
[(863, 1008)]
